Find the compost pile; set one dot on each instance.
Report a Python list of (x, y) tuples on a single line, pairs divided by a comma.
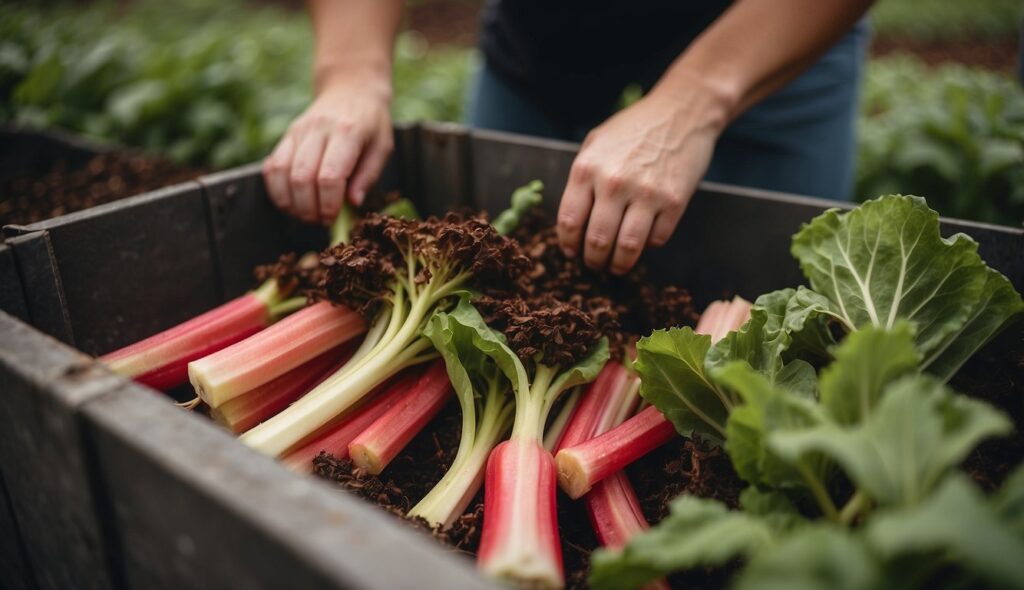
[(820, 432), (66, 188)]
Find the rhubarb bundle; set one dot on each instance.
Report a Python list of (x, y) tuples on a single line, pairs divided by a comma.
[(397, 272)]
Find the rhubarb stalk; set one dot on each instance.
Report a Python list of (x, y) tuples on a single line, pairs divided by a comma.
[(161, 361), (265, 356), (582, 465), (519, 541), (335, 438), (251, 408), (375, 447)]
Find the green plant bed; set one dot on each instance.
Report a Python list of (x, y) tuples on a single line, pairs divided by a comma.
[(952, 133)]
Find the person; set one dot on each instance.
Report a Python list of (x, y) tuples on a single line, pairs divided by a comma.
[(759, 93)]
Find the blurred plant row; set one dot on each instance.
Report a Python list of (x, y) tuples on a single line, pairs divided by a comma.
[(943, 20), (218, 90), (214, 88)]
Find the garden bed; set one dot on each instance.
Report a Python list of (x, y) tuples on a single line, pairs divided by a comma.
[(165, 489)]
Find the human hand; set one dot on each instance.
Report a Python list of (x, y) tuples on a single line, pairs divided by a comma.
[(635, 174), (336, 148)]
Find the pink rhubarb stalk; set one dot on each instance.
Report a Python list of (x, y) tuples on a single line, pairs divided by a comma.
[(583, 465), (161, 361), (251, 408), (273, 352), (381, 442), (336, 438), (520, 534)]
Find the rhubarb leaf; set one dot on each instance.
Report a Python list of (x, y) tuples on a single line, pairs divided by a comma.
[(673, 378), (886, 260), (954, 523), (465, 328), (524, 199), (697, 532), (766, 408), (461, 337), (866, 362), (919, 430), (402, 208), (1000, 304), (820, 557)]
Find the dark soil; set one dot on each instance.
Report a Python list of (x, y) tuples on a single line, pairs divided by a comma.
[(64, 189), (988, 54), (996, 375)]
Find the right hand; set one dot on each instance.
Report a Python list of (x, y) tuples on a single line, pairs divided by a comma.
[(333, 151)]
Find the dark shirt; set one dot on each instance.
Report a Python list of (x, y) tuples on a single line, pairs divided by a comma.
[(574, 57)]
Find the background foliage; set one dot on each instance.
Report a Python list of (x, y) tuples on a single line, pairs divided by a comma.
[(216, 85)]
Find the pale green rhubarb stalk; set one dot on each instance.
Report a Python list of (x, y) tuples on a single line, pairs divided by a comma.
[(482, 390), (428, 280), (582, 465)]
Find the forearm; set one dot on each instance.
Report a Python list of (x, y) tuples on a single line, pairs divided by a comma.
[(354, 38), (755, 48)]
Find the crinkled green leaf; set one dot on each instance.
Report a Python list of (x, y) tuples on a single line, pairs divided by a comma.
[(462, 337), (866, 362), (402, 208), (998, 306), (820, 557), (698, 532), (919, 431), (524, 199), (766, 409), (673, 378), (886, 260), (955, 524), (468, 330)]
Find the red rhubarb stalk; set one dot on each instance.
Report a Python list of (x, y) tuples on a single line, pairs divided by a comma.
[(251, 408), (520, 534), (335, 438), (582, 465), (161, 361), (381, 442), (273, 352)]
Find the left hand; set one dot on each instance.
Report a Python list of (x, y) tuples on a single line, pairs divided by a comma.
[(635, 174)]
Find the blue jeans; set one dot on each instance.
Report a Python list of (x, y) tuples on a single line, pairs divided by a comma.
[(800, 140)]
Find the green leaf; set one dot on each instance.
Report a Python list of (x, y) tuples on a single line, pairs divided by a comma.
[(462, 337), (820, 557), (919, 431), (673, 378), (766, 409), (998, 306), (885, 261), (524, 199), (698, 532), (866, 362), (953, 524), (402, 208), (467, 330)]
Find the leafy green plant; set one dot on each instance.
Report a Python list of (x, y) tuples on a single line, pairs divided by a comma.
[(941, 20), (208, 85), (952, 133), (850, 448)]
